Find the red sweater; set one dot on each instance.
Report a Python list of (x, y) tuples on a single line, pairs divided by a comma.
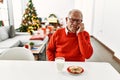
[(70, 46)]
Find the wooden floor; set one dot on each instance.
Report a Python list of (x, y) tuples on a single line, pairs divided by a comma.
[(103, 54)]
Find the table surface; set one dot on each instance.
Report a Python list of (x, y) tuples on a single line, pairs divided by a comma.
[(46, 70)]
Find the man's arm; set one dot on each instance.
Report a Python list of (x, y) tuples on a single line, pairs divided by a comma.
[(85, 44), (50, 51)]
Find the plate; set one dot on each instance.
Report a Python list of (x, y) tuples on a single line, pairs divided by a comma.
[(75, 69)]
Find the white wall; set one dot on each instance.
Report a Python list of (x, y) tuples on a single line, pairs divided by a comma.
[(17, 12), (107, 23), (86, 6), (46, 7)]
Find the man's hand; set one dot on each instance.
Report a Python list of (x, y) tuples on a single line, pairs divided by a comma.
[(81, 27)]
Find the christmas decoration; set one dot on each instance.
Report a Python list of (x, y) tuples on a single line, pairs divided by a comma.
[(1, 1), (1, 23), (30, 21)]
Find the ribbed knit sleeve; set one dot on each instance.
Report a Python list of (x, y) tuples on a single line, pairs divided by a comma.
[(85, 45), (51, 48)]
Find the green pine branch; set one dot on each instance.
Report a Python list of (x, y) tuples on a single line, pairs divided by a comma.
[(29, 18)]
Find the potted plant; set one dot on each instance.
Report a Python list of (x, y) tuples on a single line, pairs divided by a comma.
[(31, 44)]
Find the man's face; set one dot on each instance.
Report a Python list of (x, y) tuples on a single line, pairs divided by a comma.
[(73, 21)]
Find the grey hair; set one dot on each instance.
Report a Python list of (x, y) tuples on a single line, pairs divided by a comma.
[(75, 10)]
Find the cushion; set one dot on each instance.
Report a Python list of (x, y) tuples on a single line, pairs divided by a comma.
[(4, 33), (0, 39), (37, 37), (8, 43), (11, 31)]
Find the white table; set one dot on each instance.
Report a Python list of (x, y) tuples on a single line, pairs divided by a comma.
[(44, 70)]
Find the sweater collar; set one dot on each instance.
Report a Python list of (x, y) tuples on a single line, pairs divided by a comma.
[(66, 30)]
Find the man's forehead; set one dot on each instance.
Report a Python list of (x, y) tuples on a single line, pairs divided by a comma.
[(75, 15)]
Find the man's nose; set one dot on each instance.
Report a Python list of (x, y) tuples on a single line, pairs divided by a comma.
[(74, 22)]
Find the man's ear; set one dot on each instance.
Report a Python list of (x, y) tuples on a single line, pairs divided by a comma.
[(81, 20), (66, 18)]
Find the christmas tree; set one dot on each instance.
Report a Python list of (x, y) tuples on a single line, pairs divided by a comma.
[(30, 20)]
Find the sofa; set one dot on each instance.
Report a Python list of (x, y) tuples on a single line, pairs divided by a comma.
[(9, 38)]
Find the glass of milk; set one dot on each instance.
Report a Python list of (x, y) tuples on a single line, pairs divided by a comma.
[(59, 61)]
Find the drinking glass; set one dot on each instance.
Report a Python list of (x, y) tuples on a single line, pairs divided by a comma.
[(59, 61)]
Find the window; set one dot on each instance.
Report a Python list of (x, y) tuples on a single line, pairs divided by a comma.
[(4, 13), (17, 12)]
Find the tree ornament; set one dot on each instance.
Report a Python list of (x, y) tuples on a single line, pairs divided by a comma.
[(29, 18)]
